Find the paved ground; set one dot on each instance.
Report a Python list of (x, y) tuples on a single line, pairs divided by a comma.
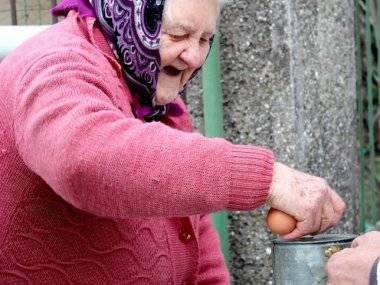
[(29, 12)]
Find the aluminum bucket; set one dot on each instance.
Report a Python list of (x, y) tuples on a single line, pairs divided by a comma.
[(302, 261)]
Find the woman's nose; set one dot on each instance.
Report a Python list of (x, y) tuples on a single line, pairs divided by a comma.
[(192, 56)]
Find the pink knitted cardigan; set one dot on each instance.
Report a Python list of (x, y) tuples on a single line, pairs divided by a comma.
[(92, 195)]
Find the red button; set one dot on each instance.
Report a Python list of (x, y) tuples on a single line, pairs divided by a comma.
[(185, 236)]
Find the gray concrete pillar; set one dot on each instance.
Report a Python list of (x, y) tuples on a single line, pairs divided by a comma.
[(288, 71)]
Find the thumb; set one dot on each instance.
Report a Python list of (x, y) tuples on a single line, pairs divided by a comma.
[(296, 233)]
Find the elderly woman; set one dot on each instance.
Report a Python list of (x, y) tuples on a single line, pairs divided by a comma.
[(102, 179)]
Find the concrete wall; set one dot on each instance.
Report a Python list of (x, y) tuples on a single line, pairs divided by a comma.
[(288, 71)]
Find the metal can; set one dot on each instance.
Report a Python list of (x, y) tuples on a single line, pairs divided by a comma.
[(302, 261)]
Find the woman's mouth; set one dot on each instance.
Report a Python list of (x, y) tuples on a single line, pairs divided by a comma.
[(171, 70)]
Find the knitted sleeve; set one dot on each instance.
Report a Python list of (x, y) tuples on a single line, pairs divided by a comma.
[(212, 269), (101, 160)]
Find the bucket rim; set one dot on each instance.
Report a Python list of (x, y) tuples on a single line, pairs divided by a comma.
[(318, 239)]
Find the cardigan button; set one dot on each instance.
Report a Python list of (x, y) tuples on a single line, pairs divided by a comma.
[(185, 236)]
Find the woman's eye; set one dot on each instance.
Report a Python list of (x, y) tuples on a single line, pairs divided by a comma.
[(179, 37), (205, 40)]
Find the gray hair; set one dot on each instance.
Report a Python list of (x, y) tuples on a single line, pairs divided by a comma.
[(220, 6), (224, 2)]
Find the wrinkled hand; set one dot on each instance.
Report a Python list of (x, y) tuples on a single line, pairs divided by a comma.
[(353, 265), (307, 198)]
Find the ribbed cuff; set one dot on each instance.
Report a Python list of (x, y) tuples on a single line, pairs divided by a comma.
[(251, 171), (373, 277)]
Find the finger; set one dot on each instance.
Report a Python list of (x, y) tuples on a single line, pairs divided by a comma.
[(330, 271), (296, 233), (371, 237), (302, 228), (338, 204), (317, 223), (344, 254), (327, 217), (335, 265), (327, 220), (309, 225), (337, 258), (356, 242)]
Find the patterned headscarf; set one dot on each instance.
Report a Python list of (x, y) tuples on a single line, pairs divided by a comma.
[(132, 28)]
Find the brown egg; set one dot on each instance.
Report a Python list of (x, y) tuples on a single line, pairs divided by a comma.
[(280, 223)]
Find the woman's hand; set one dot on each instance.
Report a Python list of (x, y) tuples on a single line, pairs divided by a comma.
[(353, 265), (307, 198)]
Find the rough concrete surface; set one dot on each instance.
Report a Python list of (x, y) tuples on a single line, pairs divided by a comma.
[(288, 79)]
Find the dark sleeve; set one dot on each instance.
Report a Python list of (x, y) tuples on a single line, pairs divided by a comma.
[(373, 273)]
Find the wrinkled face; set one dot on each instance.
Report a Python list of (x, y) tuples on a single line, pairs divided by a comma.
[(187, 27)]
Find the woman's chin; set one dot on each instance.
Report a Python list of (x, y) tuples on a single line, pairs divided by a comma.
[(160, 101)]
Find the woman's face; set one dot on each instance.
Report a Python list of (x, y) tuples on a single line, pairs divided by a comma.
[(184, 43)]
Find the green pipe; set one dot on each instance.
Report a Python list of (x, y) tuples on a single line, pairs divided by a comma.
[(212, 90), (213, 121)]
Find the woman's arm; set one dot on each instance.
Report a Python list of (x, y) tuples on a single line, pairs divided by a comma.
[(70, 133)]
